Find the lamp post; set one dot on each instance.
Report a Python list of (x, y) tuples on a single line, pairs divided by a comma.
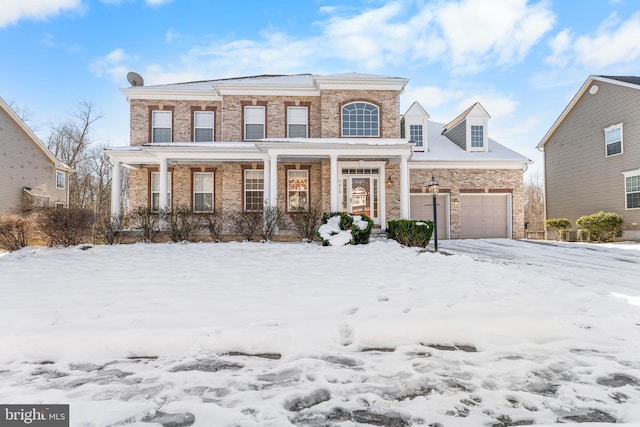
[(433, 189)]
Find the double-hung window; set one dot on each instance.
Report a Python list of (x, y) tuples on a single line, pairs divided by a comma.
[(632, 191), (155, 191), (203, 191), (297, 122), (60, 180), (253, 190), (254, 122), (161, 122), (415, 134), (613, 140), (477, 136), (297, 190), (203, 126), (360, 119)]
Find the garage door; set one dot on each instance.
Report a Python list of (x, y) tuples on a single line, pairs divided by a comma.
[(422, 208), (484, 216)]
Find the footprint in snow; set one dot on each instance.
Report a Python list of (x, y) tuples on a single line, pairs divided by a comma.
[(346, 335)]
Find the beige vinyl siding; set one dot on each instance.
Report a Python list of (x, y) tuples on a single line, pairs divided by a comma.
[(458, 134), (580, 179), (24, 164)]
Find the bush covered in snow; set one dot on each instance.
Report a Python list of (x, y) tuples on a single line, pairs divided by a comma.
[(341, 228), (410, 232), (601, 226)]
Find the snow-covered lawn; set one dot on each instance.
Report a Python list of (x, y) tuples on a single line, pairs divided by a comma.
[(487, 332)]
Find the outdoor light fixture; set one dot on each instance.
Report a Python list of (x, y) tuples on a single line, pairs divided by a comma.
[(389, 181), (433, 189)]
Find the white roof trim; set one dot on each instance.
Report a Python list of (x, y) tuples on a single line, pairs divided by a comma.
[(464, 165)]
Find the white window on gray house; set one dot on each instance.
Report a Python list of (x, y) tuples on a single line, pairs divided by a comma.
[(297, 122), (155, 191), (477, 136), (415, 134), (60, 180), (613, 139), (632, 190), (360, 119), (161, 126), (298, 190), (253, 190), (254, 119), (203, 126), (203, 191)]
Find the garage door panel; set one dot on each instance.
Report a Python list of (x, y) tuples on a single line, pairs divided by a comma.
[(484, 216), (422, 208)]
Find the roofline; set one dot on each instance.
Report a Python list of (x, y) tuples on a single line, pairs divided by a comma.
[(575, 100), (56, 162)]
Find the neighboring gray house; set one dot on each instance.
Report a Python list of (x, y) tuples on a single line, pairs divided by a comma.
[(29, 173), (592, 153)]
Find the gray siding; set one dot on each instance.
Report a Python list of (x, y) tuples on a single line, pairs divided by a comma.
[(580, 179), (458, 134), (23, 164)]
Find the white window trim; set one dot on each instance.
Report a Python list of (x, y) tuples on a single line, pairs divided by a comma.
[(213, 125), (297, 191), (485, 134), (263, 122), (64, 180), (626, 175), (245, 189), (158, 192), (358, 136), (306, 122), (212, 192), (609, 129), (158, 127)]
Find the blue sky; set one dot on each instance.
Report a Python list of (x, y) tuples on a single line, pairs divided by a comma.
[(523, 60)]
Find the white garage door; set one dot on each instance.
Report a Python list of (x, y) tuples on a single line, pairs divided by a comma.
[(484, 216), (422, 208)]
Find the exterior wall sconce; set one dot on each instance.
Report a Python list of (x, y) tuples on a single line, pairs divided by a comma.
[(455, 201), (389, 181)]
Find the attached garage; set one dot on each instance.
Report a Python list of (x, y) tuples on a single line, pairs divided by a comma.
[(422, 208), (485, 216)]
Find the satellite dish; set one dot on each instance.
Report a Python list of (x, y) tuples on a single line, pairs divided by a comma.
[(135, 79)]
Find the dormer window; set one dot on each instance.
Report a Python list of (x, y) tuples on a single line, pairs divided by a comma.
[(477, 137), (415, 134), (360, 119)]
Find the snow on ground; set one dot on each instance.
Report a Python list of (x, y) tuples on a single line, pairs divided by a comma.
[(484, 333)]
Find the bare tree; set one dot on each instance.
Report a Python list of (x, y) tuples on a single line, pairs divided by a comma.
[(534, 203), (22, 112)]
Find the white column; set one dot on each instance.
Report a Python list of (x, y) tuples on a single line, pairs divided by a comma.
[(404, 187), (115, 190), (273, 190), (164, 185), (266, 177), (334, 183)]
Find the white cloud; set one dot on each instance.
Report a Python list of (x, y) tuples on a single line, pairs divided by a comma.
[(497, 105), (14, 11), (157, 2), (560, 49), (430, 97), (115, 64), (171, 36)]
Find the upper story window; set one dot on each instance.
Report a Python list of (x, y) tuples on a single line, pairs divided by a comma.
[(613, 140), (254, 122), (203, 126), (161, 126), (297, 122), (415, 134), (360, 119), (477, 136), (60, 180), (632, 191)]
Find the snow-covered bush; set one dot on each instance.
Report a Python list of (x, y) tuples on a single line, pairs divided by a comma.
[(601, 226), (341, 228), (410, 232)]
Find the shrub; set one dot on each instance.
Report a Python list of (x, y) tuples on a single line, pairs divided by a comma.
[(111, 227), (411, 232), (214, 222), (601, 226), (272, 217), (146, 221), (306, 224), (247, 224), (557, 226), (357, 227), (181, 223), (65, 227), (14, 230)]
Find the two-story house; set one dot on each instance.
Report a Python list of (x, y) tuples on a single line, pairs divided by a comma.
[(29, 173), (592, 153), (337, 142)]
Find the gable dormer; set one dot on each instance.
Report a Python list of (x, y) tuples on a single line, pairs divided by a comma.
[(470, 130), (414, 127)]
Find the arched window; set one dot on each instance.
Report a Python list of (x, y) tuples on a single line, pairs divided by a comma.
[(360, 119)]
